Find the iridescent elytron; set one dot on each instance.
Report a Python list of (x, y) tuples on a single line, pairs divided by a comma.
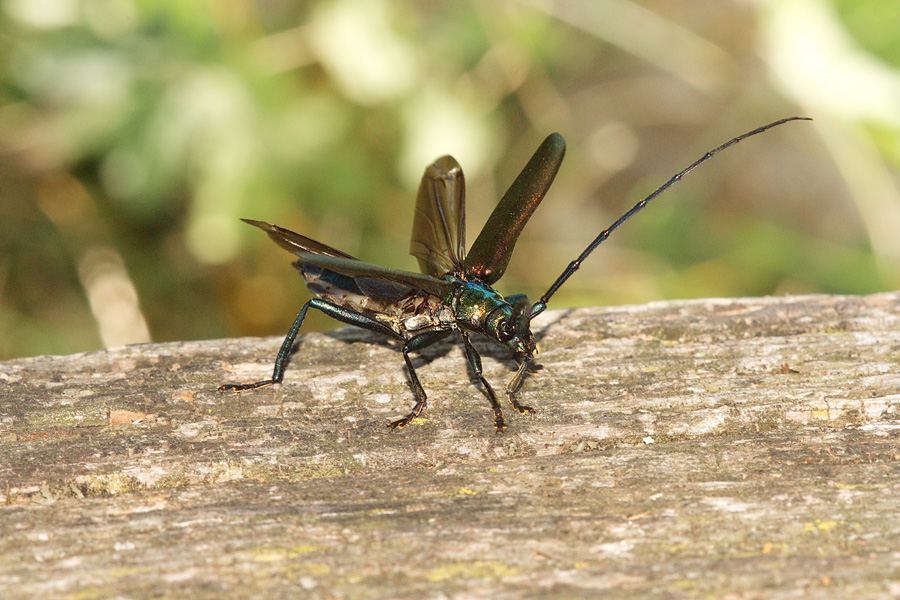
[(453, 293)]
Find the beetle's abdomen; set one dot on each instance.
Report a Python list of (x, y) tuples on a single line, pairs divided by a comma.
[(405, 310), (419, 313)]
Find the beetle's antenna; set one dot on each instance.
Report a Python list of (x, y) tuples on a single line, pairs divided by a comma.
[(541, 304)]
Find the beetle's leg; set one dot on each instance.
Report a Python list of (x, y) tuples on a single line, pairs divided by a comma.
[(332, 310), (513, 386), (417, 343), (475, 361)]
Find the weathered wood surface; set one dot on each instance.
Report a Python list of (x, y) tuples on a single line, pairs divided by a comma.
[(715, 449)]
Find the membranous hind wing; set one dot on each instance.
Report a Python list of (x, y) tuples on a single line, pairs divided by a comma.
[(439, 224), (490, 254), (295, 243), (338, 277), (310, 251), (356, 269), (364, 294)]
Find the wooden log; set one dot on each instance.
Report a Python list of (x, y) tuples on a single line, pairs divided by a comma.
[(720, 448)]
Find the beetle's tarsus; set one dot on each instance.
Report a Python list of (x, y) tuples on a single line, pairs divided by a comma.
[(414, 414), (241, 387), (521, 407), (398, 424)]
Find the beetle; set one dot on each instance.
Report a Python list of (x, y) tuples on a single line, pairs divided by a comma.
[(453, 292)]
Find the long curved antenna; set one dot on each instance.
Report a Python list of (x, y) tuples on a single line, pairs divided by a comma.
[(541, 304)]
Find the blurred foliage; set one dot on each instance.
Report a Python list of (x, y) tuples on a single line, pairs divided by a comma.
[(135, 133)]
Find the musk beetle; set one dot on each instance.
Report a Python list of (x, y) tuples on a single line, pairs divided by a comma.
[(454, 291)]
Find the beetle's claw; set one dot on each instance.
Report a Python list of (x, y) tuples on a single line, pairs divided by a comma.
[(398, 424)]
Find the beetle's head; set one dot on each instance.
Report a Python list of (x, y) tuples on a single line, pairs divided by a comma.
[(511, 326)]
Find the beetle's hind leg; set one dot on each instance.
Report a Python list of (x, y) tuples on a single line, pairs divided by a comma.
[(417, 343), (332, 310), (280, 360)]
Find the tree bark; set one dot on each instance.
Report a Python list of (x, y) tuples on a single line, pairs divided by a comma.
[(718, 448)]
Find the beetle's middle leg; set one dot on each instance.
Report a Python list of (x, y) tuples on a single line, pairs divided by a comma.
[(417, 343)]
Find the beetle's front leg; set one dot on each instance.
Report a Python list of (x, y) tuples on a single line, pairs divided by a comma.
[(513, 386), (475, 361)]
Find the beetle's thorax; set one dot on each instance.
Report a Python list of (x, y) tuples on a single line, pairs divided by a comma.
[(473, 303), (479, 308)]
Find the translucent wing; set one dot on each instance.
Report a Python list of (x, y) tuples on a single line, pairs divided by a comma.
[(490, 254), (294, 242), (331, 283), (439, 225)]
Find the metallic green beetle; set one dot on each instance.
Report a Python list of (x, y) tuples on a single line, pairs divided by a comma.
[(453, 293)]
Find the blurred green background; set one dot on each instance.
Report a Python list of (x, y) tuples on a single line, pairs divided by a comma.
[(135, 133)]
